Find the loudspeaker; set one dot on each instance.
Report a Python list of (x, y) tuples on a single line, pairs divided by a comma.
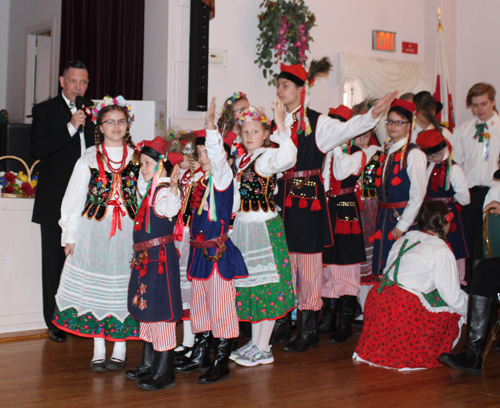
[(15, 140), (198, 56)]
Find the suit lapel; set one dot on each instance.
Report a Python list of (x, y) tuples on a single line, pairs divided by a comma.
[(64, 107)]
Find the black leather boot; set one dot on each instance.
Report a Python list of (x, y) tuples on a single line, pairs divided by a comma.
[(219, 370), (328, 321), (282, 331), (470, 359), (308, 337), (348, 305), (143, 369), (163, 374), (200, 356)]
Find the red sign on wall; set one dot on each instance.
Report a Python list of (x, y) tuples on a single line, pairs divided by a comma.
[(409, 48)]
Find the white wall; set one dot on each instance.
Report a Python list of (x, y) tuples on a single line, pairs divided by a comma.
[(4, 50), (23, 15), (478, 45), (342, 26)]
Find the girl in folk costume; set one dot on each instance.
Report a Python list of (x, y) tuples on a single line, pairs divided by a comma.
[(191, 172), (97, 220), (268, 293), (301, 194), (342, 261), (214, 261), (401, 183), (447, 183), (414, 314), (154, 296)]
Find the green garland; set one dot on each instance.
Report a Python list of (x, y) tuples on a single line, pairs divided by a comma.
[(284, 37)]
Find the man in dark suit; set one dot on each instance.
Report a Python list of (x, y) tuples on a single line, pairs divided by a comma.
[(58, 143)]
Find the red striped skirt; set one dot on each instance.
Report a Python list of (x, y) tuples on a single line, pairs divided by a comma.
[(399, 332)]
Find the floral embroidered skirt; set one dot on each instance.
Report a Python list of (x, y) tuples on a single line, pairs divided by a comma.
[(86, 325), (273, 300), (399, 332)]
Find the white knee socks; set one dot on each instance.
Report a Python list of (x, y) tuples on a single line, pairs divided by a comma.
[(99, 349), (188, 339), (120, 351), (266, 330), (256, 332)]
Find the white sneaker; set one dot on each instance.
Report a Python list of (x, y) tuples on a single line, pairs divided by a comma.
[(241, 351), (255, 357)]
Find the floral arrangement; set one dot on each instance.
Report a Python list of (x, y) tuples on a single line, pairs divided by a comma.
[(18, 183), (252, 113), (285, 27), (233, 99), (108, 100)]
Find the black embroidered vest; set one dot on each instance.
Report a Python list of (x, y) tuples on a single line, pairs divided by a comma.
[(98, 195), (256, 191)]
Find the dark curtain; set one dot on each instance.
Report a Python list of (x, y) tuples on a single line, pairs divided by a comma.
[(108, 36)]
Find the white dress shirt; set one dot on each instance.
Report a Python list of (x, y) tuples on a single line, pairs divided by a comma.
[(468, 152), (332, 132), (71, 129), (428, 266)]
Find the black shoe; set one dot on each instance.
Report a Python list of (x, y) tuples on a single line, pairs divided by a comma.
[(219, 370), (200, 357), (115, 364), (146, 365), (163, 374), (348, 306), (470, 359), (497, 347), (282, 332), (98, 366), (308, 337), (57, 335), (328, 322)]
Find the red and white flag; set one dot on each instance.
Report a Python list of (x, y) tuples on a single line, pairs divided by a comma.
[(442, 89)]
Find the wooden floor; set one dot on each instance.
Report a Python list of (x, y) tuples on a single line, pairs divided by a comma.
[(40, 373)]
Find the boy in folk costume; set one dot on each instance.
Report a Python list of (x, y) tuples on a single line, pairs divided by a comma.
[(302, 196), (214, 261), (401, 182), (342, 261)]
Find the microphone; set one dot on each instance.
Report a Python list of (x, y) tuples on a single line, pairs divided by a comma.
[(80, 104)]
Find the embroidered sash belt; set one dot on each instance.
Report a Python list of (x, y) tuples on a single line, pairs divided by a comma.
[(342, 191), (401, 204), (142, 246), (217, 242)]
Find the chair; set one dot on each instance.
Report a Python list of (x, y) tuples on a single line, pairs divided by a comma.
[(491, 247)]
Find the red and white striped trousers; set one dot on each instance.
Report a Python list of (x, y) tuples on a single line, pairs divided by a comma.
[(160, 334), (309, 267), (213, 307), (341, 280)]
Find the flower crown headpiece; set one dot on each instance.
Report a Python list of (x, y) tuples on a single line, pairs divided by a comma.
[(252, 113), (107, 101), (233, 99)]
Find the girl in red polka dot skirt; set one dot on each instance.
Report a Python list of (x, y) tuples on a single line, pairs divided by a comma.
[(415, 312)]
